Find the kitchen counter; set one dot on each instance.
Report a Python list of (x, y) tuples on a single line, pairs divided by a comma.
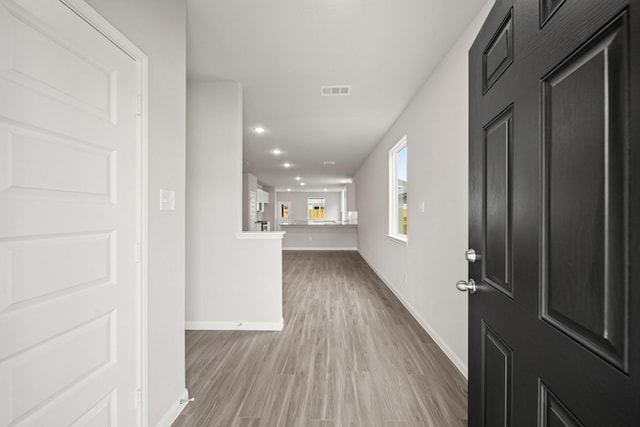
[(317, 224)]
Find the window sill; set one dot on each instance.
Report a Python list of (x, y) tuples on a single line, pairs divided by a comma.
[(401, 240)]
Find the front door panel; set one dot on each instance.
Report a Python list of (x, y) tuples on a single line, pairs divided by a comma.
[(584, 141), (497, 377), (554, 210), (497, 202), (552, 412)]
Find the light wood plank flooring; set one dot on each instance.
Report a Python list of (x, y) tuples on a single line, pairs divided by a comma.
[(349, 355)]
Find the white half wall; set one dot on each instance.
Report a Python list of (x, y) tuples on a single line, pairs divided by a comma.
[(234, 279), (320, 237), (423, 273), (158, 28), (250, 299)]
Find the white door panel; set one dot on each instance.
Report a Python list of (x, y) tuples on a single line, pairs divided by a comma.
[(68, 223), (59, 162)]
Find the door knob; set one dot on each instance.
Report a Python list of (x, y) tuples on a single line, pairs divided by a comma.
[(464, 286), (471, 255)]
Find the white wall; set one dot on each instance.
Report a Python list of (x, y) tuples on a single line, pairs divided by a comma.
[(351, 196), (234, 280), (269, 213), (298, 206), (423, 274), (249, 185), (319, 237), (158, 27)]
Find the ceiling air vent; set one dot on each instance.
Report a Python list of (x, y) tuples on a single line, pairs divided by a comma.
[(335, 90)]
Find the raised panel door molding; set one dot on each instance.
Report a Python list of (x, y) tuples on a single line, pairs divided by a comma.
[(584, 285)]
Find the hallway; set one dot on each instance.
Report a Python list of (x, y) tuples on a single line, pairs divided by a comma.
[(349, 354)]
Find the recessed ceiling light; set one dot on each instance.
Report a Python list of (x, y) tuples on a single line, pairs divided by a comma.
[(288, 189), (287, 165), (298, 178), (276, 151), (326, 189), (258, 129), (302, 183)]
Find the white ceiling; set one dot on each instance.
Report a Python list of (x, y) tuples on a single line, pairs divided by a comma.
[(282, 51)]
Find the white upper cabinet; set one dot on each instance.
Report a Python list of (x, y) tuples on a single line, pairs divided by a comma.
[(263, 196)]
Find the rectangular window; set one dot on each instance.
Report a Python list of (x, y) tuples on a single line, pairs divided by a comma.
[(398, 191), (315, 208)]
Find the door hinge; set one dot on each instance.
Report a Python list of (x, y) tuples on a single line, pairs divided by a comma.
[(138, 105), (138, 399), (138, 253)]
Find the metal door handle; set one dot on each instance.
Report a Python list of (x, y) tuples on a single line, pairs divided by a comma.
[(464, 286), (471, 255)]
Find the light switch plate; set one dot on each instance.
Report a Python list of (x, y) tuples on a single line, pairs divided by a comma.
[(167, 200)]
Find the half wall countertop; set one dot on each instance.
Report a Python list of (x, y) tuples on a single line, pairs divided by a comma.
[(317, 223)]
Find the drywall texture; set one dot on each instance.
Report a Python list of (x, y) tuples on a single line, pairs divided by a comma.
[(298, 206), (229, 280), (423, 274), (158, 27)]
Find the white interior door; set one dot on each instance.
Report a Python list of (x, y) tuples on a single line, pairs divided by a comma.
[(68, 171)]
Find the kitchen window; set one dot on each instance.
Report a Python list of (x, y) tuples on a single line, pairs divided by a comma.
[(315, 208)]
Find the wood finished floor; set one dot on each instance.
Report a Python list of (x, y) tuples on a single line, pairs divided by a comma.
[(350, 355)]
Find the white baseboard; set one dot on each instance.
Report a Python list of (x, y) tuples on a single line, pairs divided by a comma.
[(462, 367), (175, 410), (234, 326), (319, 249)]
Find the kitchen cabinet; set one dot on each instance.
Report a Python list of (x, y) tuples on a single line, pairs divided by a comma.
[(263, 196)]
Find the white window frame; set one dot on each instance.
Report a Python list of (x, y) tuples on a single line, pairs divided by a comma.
[(393, 196), (324, 208)]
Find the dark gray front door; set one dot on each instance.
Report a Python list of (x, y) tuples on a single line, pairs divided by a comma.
[(554, 200)]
